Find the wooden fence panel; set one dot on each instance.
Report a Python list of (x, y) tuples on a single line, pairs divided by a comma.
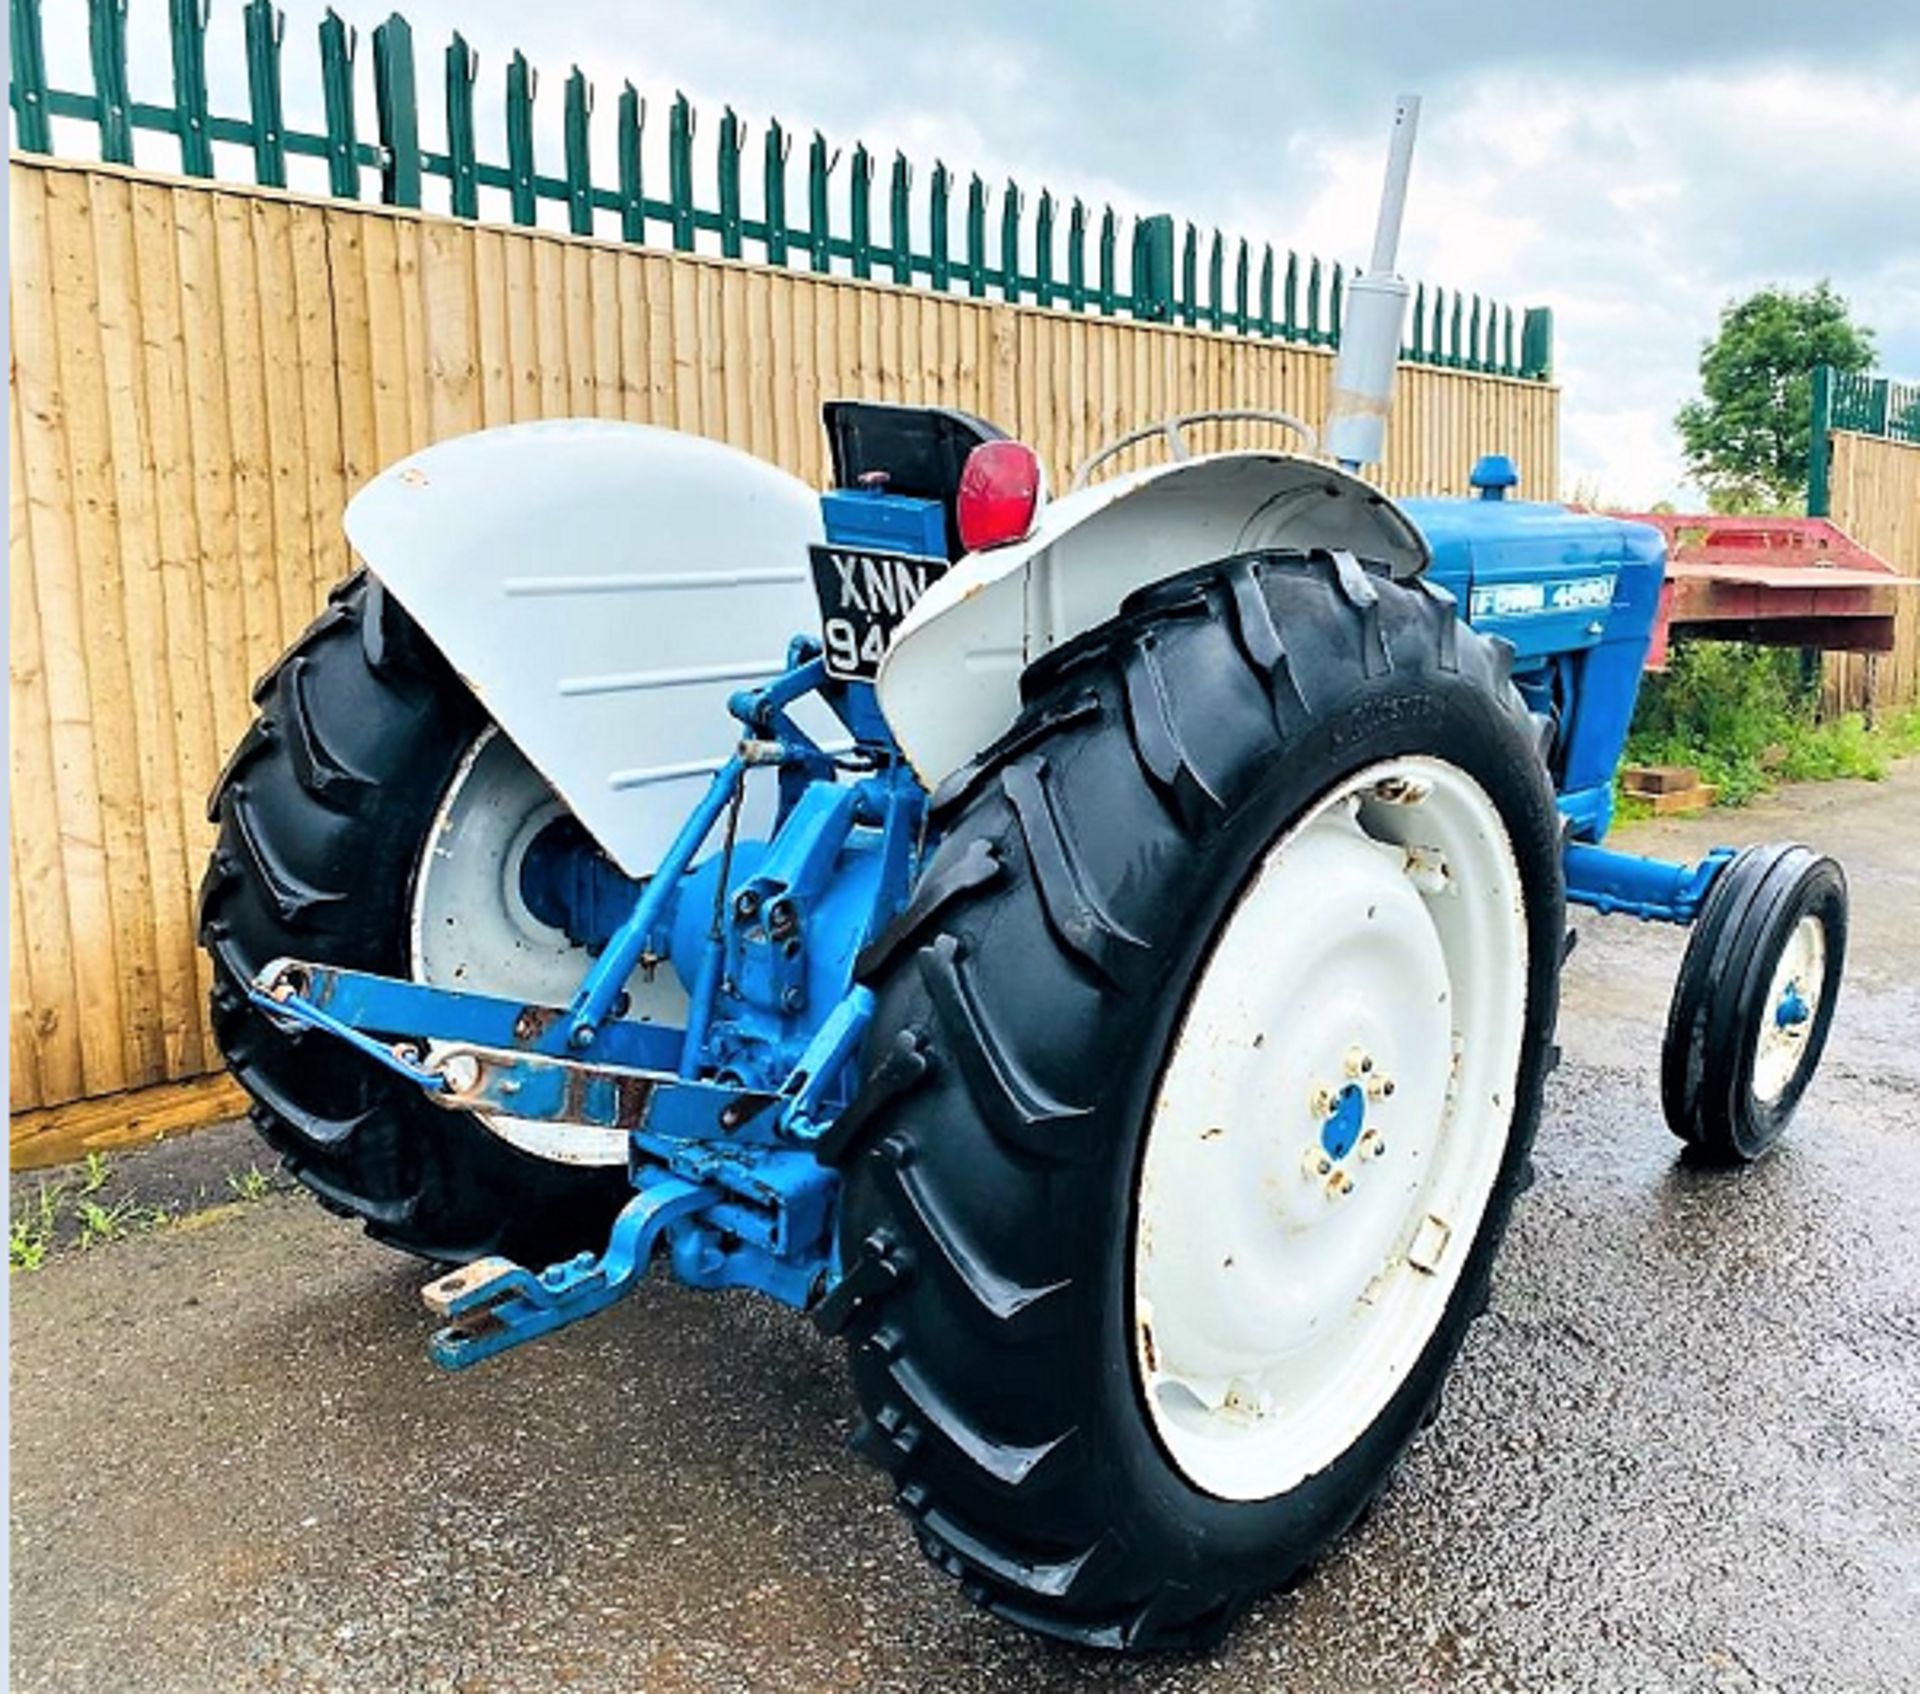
[(1875, 493), (202, 373)]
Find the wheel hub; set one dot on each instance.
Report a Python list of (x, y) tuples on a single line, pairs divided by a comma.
[(1787, 1013), (495, 842)]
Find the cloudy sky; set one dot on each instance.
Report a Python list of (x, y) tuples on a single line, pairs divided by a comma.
[(1635, 164)]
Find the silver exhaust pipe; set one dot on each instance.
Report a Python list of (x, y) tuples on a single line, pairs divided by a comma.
[(1356, 432)]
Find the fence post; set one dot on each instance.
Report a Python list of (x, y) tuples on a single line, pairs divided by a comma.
[(774, 192), (107, 38), (1109, 242), (190, 87), (900, 218), (680, 171), (266, 26), (576, 110), (1536, 343), (939, 193), (462, 65), (336, 86), (1820, 445), (819, 233), (629, 121), (29, 89), (522, 85), (1010, 241), (1077, 257), (860, 210), (396, 111), (976, 238), (1153, 269), (1043, 249), (1879, 409), (727, 179)]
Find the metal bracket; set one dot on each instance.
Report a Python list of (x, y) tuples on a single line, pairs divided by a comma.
[(493, 1304)]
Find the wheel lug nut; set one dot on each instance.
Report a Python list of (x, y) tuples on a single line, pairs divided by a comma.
[(1339, 1185), (1359, 1061), (1320, 1101)]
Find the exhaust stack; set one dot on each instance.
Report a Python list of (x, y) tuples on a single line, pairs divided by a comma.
[(1356, 430)]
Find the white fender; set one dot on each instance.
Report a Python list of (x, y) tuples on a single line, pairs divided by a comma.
[(602, 588), (950, 682)]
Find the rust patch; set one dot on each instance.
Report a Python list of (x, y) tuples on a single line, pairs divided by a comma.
[(631, 1096), (534, 1022)]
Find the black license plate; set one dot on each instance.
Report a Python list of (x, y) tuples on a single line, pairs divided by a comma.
[(863, 597)]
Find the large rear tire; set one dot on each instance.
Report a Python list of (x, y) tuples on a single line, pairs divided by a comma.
[(1033, 1245), (325, 813)]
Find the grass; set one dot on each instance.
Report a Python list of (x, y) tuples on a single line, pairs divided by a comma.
[(100, 1224), (30, 1230), (89, 1206), (1742, 716), (250, 1184), (35, 1229)]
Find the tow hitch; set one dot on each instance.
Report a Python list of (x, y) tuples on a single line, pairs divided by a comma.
[(493, 1304)]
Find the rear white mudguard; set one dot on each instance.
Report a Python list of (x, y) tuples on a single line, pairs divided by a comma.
[(950, 683), (602, 588)]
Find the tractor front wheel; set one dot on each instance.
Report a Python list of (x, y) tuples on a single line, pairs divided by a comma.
[(1754, 1001), (1207, 1060)]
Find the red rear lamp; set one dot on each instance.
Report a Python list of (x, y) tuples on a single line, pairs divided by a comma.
[(1000, 493)]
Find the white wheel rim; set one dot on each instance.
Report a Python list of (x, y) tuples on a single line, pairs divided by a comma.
[(1282, 1293), (1790, 1008), (471, 928)]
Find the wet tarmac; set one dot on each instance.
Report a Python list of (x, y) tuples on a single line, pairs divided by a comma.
[(1682, 1450)]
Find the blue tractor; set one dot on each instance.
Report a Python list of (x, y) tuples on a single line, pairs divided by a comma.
[(1098, 955)]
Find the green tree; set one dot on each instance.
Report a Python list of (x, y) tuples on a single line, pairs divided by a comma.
[(1746, 437)]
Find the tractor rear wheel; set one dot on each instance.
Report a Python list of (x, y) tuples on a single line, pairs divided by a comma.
[(1206, 1062), (331, 811)]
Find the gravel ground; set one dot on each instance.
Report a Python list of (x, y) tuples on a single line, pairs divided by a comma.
[(1681, 1452)]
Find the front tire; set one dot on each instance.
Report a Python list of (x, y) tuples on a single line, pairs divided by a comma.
[(1007, 1164), (326, 811), (1753, 1002)]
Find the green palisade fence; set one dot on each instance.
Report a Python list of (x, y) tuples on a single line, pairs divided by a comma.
[(1867, 405), (1167, 278), (1877, 405)]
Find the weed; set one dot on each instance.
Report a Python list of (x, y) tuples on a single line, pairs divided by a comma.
[(26, 1245), (250, 1184), (94, 1174), (100, 1224), (30, 1232), (1745, 718)]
